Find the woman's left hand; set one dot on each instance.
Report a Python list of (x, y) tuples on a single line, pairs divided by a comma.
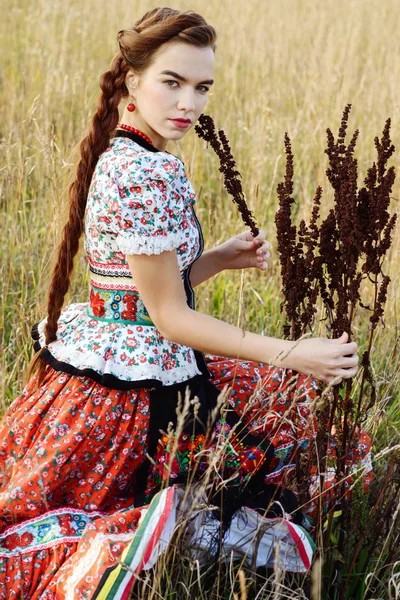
[(242, 251)]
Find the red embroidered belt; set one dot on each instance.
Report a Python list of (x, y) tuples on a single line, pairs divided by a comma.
[(118, 306)]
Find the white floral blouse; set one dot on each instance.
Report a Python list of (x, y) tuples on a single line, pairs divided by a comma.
[(140, 202)]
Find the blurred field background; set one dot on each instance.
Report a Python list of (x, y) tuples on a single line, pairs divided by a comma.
[(281, 65)]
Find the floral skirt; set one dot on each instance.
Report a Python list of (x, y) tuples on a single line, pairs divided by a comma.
[(70, 450)]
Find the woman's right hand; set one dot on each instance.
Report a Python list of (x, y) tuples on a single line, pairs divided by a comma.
[(328, 360)]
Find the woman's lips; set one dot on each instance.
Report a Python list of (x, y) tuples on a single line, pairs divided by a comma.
[(180, 124)]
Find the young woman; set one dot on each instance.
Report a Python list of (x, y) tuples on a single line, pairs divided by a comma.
[(82, 450)]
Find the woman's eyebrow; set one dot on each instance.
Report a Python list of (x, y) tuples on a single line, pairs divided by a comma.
[(173, 74)]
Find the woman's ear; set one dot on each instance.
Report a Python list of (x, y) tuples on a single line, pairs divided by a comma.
[(131, 81)]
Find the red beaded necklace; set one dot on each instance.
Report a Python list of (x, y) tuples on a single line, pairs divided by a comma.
[(140, 133)]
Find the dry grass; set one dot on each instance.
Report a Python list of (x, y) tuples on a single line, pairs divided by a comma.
[(281, 65)]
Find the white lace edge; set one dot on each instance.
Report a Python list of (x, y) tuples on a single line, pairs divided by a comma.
[(87, 561), (86, 360), (133, 243)]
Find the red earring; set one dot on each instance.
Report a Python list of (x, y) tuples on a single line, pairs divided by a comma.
[(131, 107)]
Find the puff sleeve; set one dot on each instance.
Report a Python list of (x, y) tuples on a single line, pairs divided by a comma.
[(150, 208)]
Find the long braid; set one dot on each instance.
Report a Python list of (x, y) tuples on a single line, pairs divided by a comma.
[(112, 84)]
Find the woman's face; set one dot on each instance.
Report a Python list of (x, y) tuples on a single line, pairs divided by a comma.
[(180, 94)]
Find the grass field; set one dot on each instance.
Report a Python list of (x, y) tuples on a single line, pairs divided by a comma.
[(281, 66)]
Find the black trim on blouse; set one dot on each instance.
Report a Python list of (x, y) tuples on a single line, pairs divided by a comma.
[(136, 138), (106, 379), (141, 141)]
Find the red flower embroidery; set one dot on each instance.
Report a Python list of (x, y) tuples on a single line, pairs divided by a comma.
[(97, 304), (131, 307), (134, 204), (161, 185), (117, 257), (170, 363), (196, 444), (16, 541), (169, 167), (12, 541), (165, 470), (131, 342), (65, 525)]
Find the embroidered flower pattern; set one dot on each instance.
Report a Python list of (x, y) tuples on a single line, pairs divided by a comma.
[(139, 202), (97, 304), (131, 307), (71, 484)]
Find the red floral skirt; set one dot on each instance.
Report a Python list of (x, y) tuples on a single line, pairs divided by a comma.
[(68, 452)]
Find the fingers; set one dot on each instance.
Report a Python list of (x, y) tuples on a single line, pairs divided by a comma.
[(262, 256), (342, 365), (342, 339), (350, 348), (338, 361), (343, 374), (349, 362), (338, 375), (260, 240), (262, 253), (258, 245), (347, 373), (345, 349)]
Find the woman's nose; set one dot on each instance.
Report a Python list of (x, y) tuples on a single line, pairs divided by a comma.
[(187, 100)]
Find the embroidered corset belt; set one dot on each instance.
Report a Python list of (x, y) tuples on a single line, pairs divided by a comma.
[(114, 298), (117, 305)]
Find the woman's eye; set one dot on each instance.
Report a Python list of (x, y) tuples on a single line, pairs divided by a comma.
[(205, 88)]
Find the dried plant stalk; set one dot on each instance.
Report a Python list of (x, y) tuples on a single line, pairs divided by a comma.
[(329, 261), (206, 129)]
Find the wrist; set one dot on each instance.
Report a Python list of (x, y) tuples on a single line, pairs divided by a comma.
[(206, 266), (284, 356), (217, 258)]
